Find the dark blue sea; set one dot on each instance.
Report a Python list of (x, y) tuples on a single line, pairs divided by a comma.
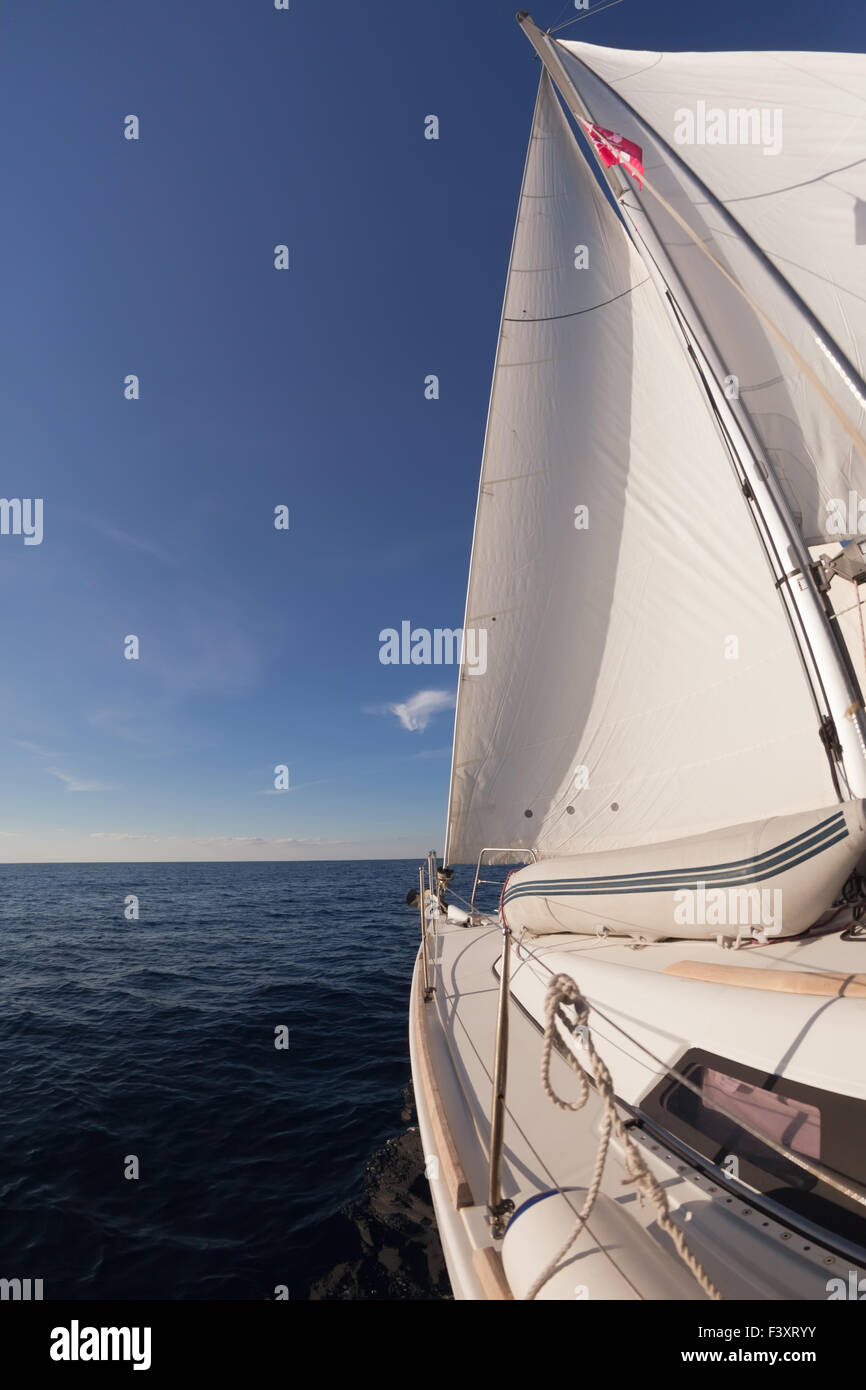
[(155, 1039)]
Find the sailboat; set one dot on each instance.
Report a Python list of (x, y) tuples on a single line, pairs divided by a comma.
[(642, 1076)]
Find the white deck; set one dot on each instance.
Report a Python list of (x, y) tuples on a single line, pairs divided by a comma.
[(746, 1253)]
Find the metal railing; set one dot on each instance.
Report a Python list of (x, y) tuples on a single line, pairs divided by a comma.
[(433, 879), (425, 953), (496, 849), (498, 1206)]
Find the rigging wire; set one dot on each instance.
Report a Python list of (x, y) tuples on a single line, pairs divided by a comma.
[(839, 612), (860, 614), (555, 25), (597, 10), (769, 323)]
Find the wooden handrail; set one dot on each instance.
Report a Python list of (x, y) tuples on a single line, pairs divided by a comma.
[(816, 982)]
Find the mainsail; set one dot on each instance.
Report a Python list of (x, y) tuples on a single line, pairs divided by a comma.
[(642, 682)]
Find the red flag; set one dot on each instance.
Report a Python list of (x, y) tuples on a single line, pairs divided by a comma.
[(615, 149)]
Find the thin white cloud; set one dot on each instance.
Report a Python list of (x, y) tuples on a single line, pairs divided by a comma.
[(79, 784), (264, 840), (415, 713), (126, 539), (296, 787), (214, 839), (123, 835), (34, 748)]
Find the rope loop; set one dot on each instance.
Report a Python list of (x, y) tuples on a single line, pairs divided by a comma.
[(562, 992)]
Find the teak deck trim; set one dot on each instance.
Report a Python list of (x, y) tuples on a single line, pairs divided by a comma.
[(450, 1167), (785, 981), (491, 1275)]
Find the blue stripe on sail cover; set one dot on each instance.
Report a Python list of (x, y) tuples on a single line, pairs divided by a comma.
[(742, 871)]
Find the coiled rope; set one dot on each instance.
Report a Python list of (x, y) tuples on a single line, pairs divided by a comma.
[(563, 990)]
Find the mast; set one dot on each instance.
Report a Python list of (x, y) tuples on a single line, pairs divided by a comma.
[(825, 660)]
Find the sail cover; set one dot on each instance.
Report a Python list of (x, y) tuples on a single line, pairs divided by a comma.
[(641, 681), (777, 141)]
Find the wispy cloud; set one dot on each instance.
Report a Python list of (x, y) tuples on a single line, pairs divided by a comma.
[(214, 839), (265, 840), (71, 782), (415, 713), (123, 835), (34, 748), (127, 540), (117, 724), (295, 787), (79, 784)]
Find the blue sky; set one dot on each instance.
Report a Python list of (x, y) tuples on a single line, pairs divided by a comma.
[(258, 388)]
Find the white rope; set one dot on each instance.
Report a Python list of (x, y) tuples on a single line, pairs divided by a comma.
[(563, 990)]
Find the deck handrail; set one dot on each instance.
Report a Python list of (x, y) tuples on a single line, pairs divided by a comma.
[(497, 849), (498, 1206), (425, 958)]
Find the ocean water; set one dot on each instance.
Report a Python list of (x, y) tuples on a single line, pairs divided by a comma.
[(155, 1039)]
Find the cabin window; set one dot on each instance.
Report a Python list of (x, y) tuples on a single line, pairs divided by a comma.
[(820, 1125), (794, 1123)]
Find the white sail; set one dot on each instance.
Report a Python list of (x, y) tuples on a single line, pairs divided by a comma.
[(777, 141), (641, 679)]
